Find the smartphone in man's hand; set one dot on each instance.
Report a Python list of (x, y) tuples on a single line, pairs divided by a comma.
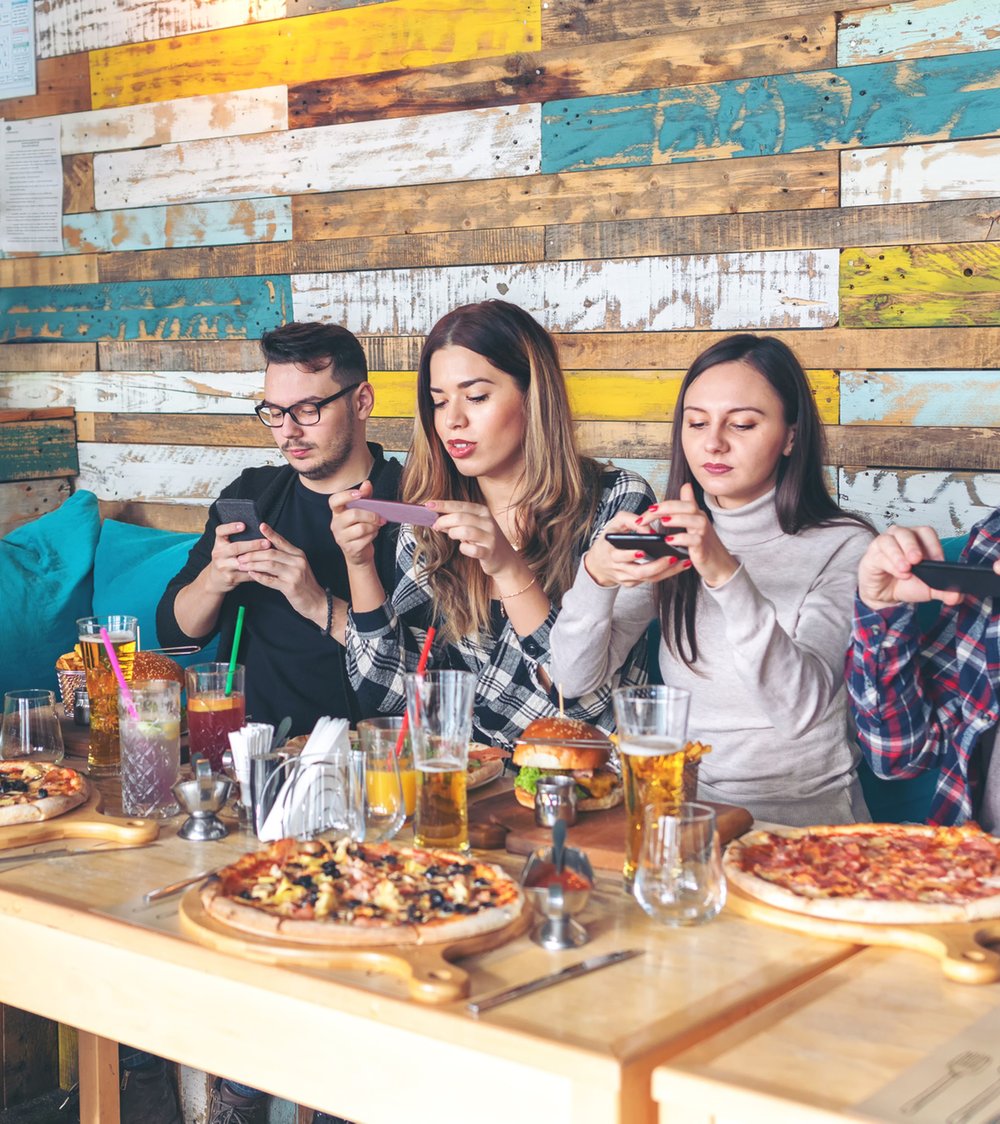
[(240, 511)]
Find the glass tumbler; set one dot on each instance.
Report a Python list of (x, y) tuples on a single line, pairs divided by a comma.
[(384, 791), (31, 726), (150, 747), (679, 880)]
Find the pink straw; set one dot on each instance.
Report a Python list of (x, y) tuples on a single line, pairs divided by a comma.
[(116, 667)]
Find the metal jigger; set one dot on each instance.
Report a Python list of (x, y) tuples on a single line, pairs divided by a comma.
[(559, 931), (201, 798)]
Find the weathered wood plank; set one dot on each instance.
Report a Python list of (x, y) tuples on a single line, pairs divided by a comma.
[(917, 29), (63, 26), (189, 518), (30, 1056), (950, 502), (394, 252), (206, 309), (879, 103), (22, 501), (33, 450), (78, 183), (262, 110), (920, 286), (179, 355), (772, 290), (808, 179), (970, 448), (18, 270), (48, 356), (915, 172), (478, 144), (28, 413), (63, 87), (920, 398), (364, 40), (735, 50), (567, 22), (963, 220)]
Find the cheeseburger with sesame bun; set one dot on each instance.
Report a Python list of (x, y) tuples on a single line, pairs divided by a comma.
[(573, 748)]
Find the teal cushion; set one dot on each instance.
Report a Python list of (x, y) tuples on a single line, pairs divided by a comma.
[(46, 575), (131, 571)]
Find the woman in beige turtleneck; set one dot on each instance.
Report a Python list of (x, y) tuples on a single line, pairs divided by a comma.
[(755, 620)]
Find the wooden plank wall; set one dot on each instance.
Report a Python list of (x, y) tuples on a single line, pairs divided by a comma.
[(643, 175)]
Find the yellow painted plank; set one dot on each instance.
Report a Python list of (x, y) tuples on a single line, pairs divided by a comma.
[(398, 34), (603, 395)]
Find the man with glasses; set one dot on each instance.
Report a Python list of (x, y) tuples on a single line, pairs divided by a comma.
[(292, 580)]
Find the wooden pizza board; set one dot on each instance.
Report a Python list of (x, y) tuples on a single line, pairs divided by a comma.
[(427, 969), (83, 822), (600, 834), (960, 946)]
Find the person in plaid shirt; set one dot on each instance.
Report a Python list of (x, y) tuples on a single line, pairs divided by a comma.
[(931, 701), (494, 454)]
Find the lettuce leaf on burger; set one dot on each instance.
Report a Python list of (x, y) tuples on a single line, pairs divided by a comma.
[(573, 748)]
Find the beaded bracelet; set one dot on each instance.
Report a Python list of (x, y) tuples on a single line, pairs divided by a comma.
[(329, 613)]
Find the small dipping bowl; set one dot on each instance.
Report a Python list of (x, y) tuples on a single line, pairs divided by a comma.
[(201, 798), (555, 799), (558, 897)]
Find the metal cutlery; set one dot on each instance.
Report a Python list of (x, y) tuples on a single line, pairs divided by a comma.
[(591, 964), (961, 1065), (175, 887), (10, 861), (971, 1107)]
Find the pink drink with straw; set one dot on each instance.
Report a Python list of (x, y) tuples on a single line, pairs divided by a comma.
[(212, 713), (149, 729)]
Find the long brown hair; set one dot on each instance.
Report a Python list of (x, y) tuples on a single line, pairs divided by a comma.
[(558, 492), (801, 496)]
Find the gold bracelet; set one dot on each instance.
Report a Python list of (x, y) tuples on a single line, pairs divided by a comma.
[(517, 593)]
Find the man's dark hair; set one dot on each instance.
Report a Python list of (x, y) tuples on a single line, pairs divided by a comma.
[(314, 346)]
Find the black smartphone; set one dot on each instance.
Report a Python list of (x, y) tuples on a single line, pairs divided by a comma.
[(240, 511), (980, 581), (653, 545)]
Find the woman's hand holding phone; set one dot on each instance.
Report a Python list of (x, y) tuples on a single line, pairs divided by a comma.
[(629, 564), (354, 529), (478, 535)]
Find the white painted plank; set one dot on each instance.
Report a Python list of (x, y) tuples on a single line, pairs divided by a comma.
[(950, 502), (140, 392), (235, 113), (445, 147), (63, 27), (779, 289), (164, 473), (920, 398), (917, 29), (920, 173)]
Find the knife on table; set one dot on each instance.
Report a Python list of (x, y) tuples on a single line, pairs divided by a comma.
[(7, 861), (591, 964)]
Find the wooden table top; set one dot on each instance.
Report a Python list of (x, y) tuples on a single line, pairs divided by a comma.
[(581, 1051)]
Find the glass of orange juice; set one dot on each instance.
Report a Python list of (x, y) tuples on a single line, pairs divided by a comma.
[(390, 781)]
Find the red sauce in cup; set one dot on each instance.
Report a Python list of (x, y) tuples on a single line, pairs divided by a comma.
[(547, 875)]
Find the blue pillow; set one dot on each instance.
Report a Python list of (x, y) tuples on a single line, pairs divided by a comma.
[(131, 571), (46, 574)]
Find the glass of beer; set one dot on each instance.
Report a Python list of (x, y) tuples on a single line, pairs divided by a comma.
[(652, 730), (215, 708), (439, 709), (102, 686)]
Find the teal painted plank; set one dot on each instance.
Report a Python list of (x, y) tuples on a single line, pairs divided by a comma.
[(936, 398), (163, 228), (877, 104), (203, 309), (916, 30)]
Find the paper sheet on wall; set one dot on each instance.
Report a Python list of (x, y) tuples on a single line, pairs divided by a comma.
[(31, 187), (17, 48)]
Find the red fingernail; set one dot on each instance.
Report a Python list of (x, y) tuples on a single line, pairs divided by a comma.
[(664, 518), (638, 519), (652, 507), (639, 554), (687, 563), (668, 538)]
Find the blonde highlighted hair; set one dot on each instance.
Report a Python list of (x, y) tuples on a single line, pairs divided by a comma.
[(559, 489)]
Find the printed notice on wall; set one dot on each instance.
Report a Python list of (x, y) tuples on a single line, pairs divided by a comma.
[(17, 48), (31, 187)]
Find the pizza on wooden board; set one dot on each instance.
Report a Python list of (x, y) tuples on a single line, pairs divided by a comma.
[(33, 791), (875, 873), (337, 892)]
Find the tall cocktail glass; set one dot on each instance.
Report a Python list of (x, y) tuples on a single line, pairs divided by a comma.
[(150, 747), (439, 710), (212, 711), (102, 686), (652, 730)]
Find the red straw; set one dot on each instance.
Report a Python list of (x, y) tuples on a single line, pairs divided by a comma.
[(421, 668)]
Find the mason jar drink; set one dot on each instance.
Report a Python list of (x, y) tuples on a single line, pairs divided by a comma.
[(102, 684)]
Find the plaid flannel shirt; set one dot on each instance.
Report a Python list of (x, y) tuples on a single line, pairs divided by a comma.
[(384, 644), (924, 702)]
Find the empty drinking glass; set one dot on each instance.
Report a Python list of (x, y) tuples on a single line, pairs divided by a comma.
[(679, 879), (31, 726)]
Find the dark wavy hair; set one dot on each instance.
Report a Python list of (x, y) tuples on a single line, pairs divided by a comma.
[(314, 346), (801, 497)]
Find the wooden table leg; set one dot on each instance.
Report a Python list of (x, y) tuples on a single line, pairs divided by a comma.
[(98, 1079)]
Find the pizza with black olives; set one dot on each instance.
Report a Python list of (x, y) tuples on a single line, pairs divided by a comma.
[(32, 791), (343, 893)]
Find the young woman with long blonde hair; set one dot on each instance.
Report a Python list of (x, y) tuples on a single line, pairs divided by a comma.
[(494, 455)]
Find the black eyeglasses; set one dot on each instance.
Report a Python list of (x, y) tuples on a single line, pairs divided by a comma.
[(302, 413)]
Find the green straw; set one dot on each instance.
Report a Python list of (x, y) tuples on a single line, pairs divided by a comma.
[(236, 648)]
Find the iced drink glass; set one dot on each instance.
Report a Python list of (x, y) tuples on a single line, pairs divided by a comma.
[(150, 747), (102, 686), (212, 712)]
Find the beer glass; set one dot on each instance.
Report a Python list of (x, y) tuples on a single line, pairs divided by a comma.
[(679, 880), (150, 747), (213, 713), (439, 709), (31, 726), (102, 686), (652, 729)]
